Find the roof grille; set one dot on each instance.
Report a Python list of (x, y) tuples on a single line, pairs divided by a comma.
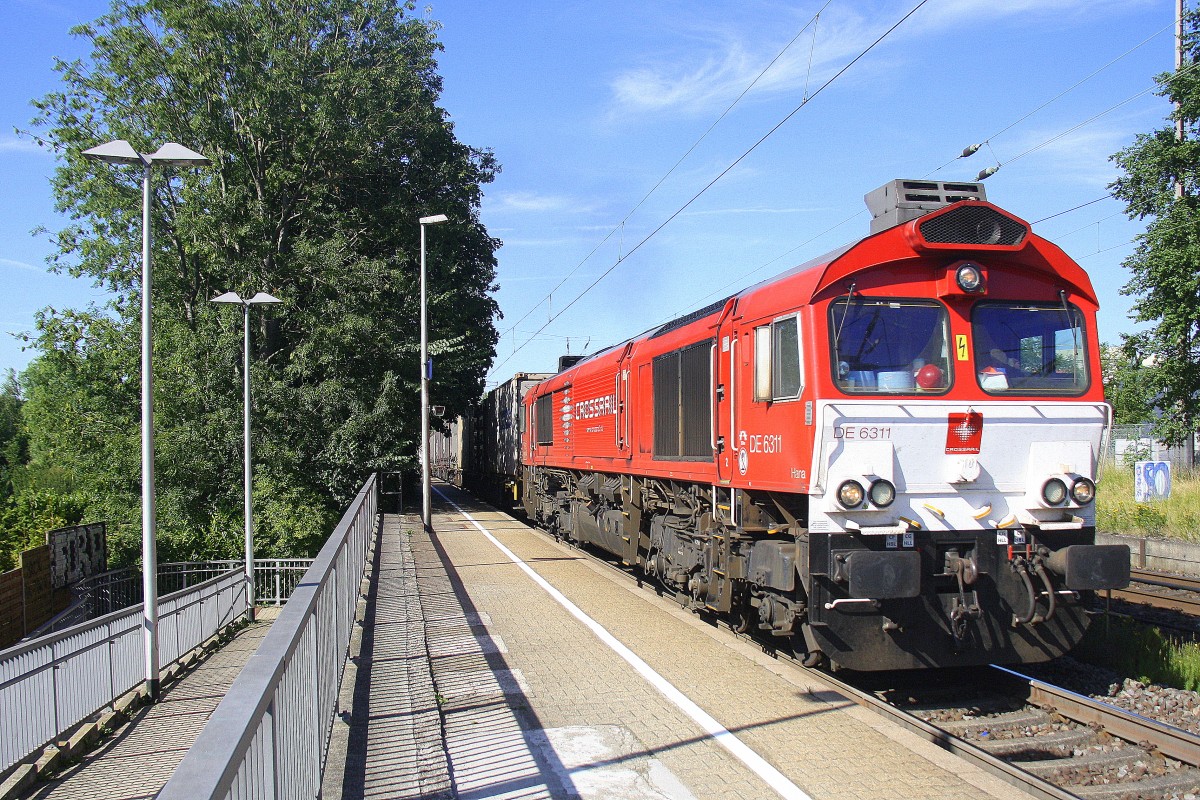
[(902, 200), (977, 225), (692, 317)]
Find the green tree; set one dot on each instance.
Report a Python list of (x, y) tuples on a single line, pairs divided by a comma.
[(13, 454), (322, 121), (1126, 384), (1165, 267), (14, 444)]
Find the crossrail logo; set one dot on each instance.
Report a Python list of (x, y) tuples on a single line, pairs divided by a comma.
[(964, 432)]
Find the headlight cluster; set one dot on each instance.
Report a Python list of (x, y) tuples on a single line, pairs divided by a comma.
[(851, 493), (1055, 492)]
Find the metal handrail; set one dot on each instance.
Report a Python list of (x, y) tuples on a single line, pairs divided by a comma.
[(271, 731), (116, 589), (49, 684)]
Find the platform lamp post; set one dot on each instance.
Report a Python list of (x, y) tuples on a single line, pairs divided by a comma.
[(426, 503), (169, 155), (261, 298)]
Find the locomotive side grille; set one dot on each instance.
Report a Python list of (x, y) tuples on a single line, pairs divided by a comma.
[(666, 406), (973, 224), (543, 411), (695, 386), (682, 403)]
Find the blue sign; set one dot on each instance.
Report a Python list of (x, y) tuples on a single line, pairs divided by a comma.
[(1151, 480)]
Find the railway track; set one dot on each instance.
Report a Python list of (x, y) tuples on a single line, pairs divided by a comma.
[(1053, 742), (1162, 591)]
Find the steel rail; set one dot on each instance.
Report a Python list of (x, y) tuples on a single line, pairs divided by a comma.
[(1134, 594), (1166, 580), (1168, 740), (49, 684), (1161, 601), (269, 735), (1007, 772), (1172, 742)]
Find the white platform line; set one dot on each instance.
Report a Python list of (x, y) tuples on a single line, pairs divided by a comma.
[(773, 777)]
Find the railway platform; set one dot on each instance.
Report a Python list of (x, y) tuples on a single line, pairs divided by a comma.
[(494, 662)]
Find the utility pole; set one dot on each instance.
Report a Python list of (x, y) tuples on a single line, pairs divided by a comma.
[(1189, 444)]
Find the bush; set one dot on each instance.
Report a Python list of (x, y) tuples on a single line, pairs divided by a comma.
[(1140, 651), (31, 514)]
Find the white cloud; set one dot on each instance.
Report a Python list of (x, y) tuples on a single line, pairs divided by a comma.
[(694, 79), (956, 10), (8, 262), (535, 202), (727, 65), (12, 144), (1078, 155)]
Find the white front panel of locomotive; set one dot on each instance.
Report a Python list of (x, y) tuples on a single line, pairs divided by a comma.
[(954, 466)]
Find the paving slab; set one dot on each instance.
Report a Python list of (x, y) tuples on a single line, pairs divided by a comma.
[(547, 675)]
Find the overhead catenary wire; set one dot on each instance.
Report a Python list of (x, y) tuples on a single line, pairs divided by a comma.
[(974, 148), (969, 151), (987, 142), (724, 172), (620, 226)]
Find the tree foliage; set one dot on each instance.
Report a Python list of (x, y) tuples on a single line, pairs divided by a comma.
[(1125, 382), (322, 121), (1165, 267)]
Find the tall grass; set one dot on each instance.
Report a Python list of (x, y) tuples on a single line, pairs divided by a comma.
[(1141, 651), (1177, 517)]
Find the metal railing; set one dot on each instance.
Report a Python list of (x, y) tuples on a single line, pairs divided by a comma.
[(274, 580), (269, 735), (49, 684)]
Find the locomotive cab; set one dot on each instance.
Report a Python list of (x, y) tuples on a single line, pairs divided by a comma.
[(968, 373)]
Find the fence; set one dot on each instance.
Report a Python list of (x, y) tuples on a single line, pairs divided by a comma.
[(1129, 443), (269, 735), (274, 580), (51, 683), (28, 597)]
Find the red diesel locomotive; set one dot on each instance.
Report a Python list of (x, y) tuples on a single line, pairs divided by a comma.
[(887, 454)]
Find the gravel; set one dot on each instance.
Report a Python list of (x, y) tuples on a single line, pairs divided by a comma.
[(1173, 706)]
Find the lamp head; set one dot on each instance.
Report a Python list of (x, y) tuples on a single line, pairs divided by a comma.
[(176, 155), (116, 152), (434, 220), (228, 297), (263, 298)]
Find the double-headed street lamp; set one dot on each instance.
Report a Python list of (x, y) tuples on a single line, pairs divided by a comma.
[(261, 298), (169, 155), (426, 504)]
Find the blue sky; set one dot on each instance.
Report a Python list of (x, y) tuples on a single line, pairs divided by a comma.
[(589, 105)]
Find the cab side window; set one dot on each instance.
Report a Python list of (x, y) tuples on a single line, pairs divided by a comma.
[(786, 373), (778, 362), (762, 363)]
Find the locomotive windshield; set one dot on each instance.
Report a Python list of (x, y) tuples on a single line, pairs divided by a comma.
[(889, 345), (1029, 348)]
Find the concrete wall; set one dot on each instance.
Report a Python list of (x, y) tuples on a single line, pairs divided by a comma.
[(1168, 555)]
